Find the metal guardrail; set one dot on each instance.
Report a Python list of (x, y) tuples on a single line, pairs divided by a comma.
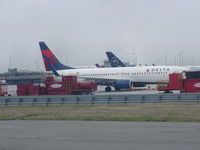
[(98, 99)]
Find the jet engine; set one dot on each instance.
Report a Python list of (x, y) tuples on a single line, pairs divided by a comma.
[(122, 84)]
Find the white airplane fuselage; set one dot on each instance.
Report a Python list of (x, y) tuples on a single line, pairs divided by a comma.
[(143, 74)]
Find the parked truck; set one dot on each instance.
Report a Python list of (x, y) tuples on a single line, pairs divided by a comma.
[(68, 86), (3, 88), (185, 82)]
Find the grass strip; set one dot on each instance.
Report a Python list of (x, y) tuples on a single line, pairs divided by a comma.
[(166, 112)]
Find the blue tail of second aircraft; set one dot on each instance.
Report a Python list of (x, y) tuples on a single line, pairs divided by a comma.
[(114, 61), (50, 60)]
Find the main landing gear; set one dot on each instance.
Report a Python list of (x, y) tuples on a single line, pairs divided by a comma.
[(108, 89)]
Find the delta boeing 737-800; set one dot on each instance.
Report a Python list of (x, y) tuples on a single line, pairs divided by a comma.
[(118, 77)]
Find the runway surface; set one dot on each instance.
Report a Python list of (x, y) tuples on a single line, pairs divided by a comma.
[(97, 135)]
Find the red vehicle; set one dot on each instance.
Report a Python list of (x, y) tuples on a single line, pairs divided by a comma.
[(175, 83), (68, 86), (3, 89), (186, 82)]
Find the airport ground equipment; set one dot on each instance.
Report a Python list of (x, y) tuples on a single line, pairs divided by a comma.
[(186, 82), (3, 89), (68, 86)]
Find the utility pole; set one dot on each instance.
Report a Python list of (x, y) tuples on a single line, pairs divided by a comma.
[(10, 62), (182, 56), (179, 58), (134, 59), (175, 60)]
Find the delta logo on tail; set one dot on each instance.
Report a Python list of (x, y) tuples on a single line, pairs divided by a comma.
[(50, 59)]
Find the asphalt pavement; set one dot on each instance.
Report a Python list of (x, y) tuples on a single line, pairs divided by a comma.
[(98, 135)]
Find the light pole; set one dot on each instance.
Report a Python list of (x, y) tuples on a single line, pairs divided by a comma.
[(182, 56), (10, 62), (179, 58), (134, 59), (175, 60)]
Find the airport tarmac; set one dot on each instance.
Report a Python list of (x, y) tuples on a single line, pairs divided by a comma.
[(98, 135), (136, 90)]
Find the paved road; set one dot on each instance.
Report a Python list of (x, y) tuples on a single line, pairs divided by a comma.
[(97, 135)]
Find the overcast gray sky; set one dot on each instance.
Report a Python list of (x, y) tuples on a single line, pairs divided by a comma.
[(80, 31)]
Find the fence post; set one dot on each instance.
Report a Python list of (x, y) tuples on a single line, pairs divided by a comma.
[(160, 98), (142, 100), (48, 100), (20, 100), (62, 101), (109, 99), (197, 97), (92, 101), (179, 98), (125, 100), (34, 100), (6, 102), (77, 100)]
